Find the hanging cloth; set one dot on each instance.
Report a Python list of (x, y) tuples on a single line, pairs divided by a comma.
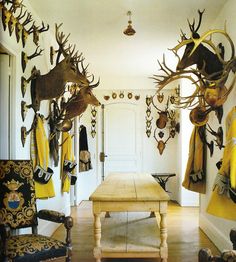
[(221, 204), (67, 162), (39, 151), (195, 174), (84, 154)]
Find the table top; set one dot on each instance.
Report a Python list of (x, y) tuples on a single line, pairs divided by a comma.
[(129, 187)]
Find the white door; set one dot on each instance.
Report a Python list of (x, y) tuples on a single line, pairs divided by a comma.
[(122, 138), (5, 74)]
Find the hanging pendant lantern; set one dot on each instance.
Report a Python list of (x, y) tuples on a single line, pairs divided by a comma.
[(129, 30)]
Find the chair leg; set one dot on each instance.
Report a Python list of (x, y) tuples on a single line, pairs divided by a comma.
[(68, 259)]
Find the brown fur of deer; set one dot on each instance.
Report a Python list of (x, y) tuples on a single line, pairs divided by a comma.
[(80, 102), (58, 118), (52, 84), (207, 62), (211, 73), (210, 64)]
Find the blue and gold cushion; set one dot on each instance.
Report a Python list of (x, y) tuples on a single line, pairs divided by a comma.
[(28, 248)]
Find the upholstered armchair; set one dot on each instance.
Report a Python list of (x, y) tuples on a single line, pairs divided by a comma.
[(18, 210), (205, 254)]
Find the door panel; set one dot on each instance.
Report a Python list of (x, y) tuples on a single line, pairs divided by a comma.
[(122, 138)]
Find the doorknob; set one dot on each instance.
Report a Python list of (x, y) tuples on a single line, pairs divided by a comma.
[(102, 157)]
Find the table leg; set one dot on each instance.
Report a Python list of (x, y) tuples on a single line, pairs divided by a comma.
[(107, 215), (97, 237), (152, 214), (163, 235)]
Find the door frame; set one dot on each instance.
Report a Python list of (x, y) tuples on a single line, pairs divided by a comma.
[(12, 124), (103, 133)]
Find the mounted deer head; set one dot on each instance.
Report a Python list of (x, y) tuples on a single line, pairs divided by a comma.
[(210, 64), (218, 135), (60, 117), (19, 26), (24, 31), (52, 85), (13, 20), (163, 115), (78, 103), (37, 31), (161, 144), (207, 62), (210, 75), (6, 15), (25, 58)]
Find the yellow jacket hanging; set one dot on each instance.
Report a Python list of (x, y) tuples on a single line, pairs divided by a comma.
[(194, 179), (220, 203), (39, 150), (67, 161)]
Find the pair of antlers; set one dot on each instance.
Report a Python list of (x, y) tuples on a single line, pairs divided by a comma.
[(75, 57)]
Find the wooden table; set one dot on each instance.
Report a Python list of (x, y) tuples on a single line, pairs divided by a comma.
[(130, 192)]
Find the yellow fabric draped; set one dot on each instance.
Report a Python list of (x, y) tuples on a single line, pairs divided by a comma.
[(220, 204), (195, 164), (39, 151), (66, 154)]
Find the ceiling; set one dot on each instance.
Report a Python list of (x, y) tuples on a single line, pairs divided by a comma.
[(96, 27)]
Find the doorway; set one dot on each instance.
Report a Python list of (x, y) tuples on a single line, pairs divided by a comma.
[(5, 104), (122, 138)]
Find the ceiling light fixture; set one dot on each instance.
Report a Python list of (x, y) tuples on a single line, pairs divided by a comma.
[(129, 30)]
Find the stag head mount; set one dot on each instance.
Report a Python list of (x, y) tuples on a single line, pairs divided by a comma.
[(67, 84), (210, 75)]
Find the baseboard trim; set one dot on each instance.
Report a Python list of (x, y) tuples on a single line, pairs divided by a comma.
[(220, 240), (189, 204)]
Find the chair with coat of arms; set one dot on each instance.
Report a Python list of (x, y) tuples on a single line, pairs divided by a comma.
[(18, 210)]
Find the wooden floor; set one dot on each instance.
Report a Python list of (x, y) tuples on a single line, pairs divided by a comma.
[(184, 236)]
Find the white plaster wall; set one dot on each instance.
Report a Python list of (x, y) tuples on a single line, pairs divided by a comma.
[(217, 228), (186, 197), (61, 201)]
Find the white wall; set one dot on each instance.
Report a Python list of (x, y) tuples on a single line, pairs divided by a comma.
[(217, 228), (61, 201)]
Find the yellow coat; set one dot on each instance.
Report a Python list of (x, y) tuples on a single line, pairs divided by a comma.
[(66, 154), (39, 150), (220, 204), (195, 165)]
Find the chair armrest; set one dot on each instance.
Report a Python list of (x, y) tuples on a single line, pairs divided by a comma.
[(51, 215), (58, 217)]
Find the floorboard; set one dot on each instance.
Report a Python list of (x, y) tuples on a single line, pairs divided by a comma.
[(184, 236)]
